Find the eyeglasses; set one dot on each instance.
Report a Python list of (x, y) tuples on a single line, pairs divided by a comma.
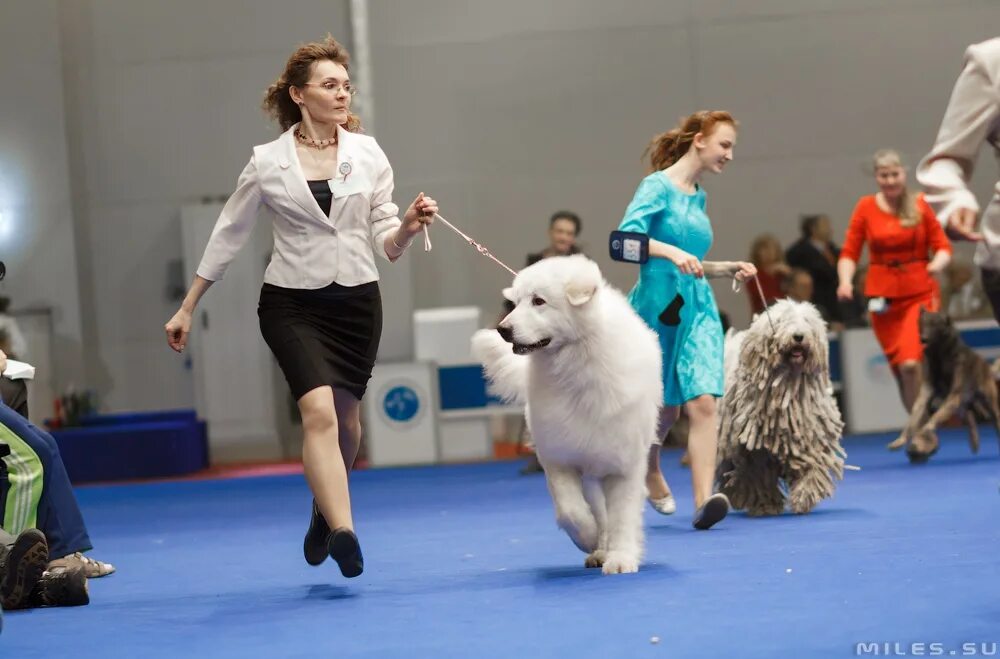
[(333, 87)]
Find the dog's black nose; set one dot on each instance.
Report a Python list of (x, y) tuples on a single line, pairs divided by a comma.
[(798, 337), (506, 333)]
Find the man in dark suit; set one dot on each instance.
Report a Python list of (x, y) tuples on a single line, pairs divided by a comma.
[(564, 227), (816, 254)]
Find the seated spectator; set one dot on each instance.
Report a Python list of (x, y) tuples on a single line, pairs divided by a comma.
[(772, 272), (12, 392), (800, 286), (816, 253), (38, 494), (564, 229)]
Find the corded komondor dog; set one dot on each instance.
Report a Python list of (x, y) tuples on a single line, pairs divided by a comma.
[(588, 370), (779, 426)]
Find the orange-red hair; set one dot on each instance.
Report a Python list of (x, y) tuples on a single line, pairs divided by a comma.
[(667, 148)]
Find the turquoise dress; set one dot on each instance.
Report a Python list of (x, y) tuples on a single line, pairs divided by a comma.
[(680, 308)]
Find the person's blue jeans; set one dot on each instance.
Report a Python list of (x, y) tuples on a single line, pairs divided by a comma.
[(58, 515)]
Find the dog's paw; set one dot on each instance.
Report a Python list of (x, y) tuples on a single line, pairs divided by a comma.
[(618, 562), (922, 446), (897, 443), (595, 558), (487, 344)]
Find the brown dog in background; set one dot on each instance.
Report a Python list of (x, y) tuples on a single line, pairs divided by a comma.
[(956, 380)]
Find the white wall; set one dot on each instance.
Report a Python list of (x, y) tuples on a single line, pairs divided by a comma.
[(37, 232)]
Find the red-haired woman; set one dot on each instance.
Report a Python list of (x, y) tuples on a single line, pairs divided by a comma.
[(674, 299), (330, 190)]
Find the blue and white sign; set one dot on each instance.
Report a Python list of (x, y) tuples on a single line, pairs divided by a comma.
[(401, 403), (400, 415)]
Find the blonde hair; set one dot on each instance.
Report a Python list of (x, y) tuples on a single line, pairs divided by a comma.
[(909, 214), (667, 148)]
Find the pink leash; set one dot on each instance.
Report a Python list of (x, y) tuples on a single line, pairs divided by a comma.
[(479, 248), (763, 300)]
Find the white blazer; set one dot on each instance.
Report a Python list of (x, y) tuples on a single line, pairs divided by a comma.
[(311, 250), (971, 120)]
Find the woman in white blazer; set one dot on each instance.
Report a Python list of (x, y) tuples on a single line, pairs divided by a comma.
[(971, 120), (329, 190)]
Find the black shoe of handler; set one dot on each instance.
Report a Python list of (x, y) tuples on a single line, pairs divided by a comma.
[(345, 549), (315, 546)]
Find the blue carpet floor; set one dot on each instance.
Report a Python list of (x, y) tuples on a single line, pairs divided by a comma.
[(467, 562)]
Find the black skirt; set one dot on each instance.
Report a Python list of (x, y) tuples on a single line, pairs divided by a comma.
[(323, 337)]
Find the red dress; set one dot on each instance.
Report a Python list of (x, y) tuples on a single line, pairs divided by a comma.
[(897, 272)]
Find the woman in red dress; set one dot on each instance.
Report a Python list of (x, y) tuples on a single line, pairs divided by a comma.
[(907, 247)]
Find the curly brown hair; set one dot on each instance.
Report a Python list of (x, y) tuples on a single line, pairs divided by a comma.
[(278, 101), (667, 148)]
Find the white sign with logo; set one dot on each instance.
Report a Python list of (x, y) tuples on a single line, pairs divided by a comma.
[(399, 415)]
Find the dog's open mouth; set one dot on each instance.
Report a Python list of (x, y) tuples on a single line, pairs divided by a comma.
[(797, 355), (525, 348)]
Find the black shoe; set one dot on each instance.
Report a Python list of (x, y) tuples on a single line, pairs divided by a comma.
[(315, 548), (23, 568), (344, 548), (713, 511), (63, 587)]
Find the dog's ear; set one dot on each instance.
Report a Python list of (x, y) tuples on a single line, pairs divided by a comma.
[(508, 294), (583, 284), (579, 293)]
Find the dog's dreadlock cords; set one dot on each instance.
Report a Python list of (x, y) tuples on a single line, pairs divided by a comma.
[(763, 300)]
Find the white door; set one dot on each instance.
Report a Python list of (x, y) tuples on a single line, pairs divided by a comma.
[(233, 369)]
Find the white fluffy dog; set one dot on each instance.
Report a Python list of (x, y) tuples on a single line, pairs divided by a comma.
[(588, 369), (778, 421)]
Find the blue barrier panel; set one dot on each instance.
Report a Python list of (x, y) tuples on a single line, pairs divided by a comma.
[(463, 387), (133, 451), (119, 418)]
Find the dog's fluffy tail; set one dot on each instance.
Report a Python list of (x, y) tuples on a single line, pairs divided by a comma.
[(507, 372)]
